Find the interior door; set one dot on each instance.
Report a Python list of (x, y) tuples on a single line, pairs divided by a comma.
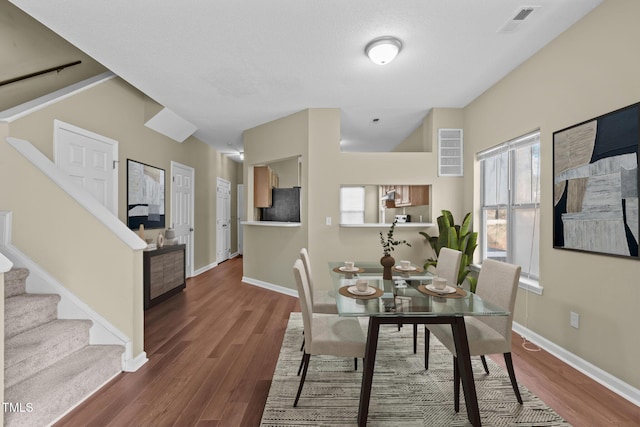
[(182, 195), (223, 220), (90, 160)]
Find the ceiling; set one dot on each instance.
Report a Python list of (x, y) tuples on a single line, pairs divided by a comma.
[(227, 66)]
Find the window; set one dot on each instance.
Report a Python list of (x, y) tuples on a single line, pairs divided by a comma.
[(510, 199), (352, 205)]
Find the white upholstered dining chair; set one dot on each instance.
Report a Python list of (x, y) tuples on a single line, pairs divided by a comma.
[(323, 301), (325, 334), (498, 284), (448, 267)]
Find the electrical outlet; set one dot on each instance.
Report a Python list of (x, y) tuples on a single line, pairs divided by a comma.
[(328, 220), (574, 320)]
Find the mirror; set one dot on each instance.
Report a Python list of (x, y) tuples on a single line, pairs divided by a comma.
[(381, 204)]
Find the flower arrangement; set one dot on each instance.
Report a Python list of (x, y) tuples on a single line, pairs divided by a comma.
[(389, 244)]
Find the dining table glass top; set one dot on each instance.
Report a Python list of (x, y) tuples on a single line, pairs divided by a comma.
[(404, 295)]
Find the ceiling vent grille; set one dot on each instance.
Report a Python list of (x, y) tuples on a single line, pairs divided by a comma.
[(450, 152), (521, 14)]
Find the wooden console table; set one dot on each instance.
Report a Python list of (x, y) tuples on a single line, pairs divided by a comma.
[(164, 273)]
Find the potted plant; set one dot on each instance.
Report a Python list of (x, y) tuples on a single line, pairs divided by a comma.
[(388, 246), (458, 237)]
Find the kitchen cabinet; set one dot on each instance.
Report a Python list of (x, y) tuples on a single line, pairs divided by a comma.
[(407, 195), (264, 180)]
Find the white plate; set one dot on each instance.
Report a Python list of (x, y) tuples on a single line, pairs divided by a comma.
[(410, 268), (447, 290), (354, 290), (349, 270)]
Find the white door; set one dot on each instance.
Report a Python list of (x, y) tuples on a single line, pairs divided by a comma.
[(90, 160), (182, 195), (223, 220), (240, 215)]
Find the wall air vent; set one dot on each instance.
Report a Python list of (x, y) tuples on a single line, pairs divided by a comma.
[(518, 18), (450, 152)]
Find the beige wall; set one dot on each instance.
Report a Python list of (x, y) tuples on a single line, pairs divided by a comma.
[(589, 70), (324, 169)]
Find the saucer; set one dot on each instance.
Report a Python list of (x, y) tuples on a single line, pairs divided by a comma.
[(354, 290), (349, 270), (447, 290), (410, 268)]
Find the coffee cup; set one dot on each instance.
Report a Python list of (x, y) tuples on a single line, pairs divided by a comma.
[(362, 285), (439, 283), (348, 265), (405, 265)]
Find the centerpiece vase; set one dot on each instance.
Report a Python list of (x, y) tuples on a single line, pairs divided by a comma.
[(387, 262)]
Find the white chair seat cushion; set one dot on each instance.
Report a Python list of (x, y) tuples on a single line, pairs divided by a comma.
[(324, 302), (482, 338), (338, 336)]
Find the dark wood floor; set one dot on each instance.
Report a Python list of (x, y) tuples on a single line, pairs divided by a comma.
[(212, 351)]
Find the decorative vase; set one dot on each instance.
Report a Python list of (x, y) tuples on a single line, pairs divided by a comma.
[(387, 262)]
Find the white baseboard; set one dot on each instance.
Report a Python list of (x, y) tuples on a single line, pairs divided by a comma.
[(205, 268), (614, 384), (270, 286), (135, 363)]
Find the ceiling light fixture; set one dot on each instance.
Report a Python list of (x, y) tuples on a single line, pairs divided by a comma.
[(383, 49)]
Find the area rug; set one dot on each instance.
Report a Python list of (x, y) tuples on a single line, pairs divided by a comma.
[(403, 393)]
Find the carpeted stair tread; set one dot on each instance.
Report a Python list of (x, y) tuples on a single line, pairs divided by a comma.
[(26, 311), (14, 281), (56, 389), (40, 347)]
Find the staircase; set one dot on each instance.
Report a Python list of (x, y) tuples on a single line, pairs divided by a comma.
[(49, 365)]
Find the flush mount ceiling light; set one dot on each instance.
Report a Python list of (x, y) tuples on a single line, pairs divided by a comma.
[(383, 49)]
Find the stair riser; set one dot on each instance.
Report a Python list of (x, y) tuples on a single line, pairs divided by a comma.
[(73, 339), (14, 282), (30, 319)]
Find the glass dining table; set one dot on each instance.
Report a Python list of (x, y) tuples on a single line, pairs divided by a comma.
[(408, 299)]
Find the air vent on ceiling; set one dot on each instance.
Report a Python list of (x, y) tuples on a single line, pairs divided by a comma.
[(518, 18)]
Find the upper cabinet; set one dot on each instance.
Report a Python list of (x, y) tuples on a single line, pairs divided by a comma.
[(406, 195), (264, 180)]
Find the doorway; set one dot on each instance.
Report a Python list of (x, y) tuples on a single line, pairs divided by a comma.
[(223, 220), (182, 196), (90, 160)]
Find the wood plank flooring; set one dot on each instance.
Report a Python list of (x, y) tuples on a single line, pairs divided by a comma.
[(213, 348)]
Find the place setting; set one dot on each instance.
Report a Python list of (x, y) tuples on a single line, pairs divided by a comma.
[(439, 288), (361, 290), (348, 269), (406, 268)]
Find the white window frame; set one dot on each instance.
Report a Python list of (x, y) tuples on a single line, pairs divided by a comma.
[(528, 281)]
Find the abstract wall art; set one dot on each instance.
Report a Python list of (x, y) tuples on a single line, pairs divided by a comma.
[(145, 195), (595, 178)]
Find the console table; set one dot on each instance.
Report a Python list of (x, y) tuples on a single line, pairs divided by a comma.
[(164, 273)]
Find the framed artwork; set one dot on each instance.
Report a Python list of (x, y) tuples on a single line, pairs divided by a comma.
[(145, 196), (595, 178)]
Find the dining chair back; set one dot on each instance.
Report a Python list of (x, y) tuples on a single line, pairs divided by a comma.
[(325, 334), (322, 301), (448, 265)]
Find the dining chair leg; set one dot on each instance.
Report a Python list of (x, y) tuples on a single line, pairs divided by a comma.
[(305, 359), (415, 338), (484, 364), (302, 345), (301, 364), (427, 336), (456, 385), (355, 362), (512, 376)]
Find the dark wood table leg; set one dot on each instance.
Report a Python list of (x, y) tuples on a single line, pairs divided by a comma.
[(367, 372), (466, 373)]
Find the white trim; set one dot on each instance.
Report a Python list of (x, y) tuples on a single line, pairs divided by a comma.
[(94, 207), (133, 364), (385, 225), (614, 384), (32, 106), (271, 223), (270, 286), (59, 125), (205, 268)]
